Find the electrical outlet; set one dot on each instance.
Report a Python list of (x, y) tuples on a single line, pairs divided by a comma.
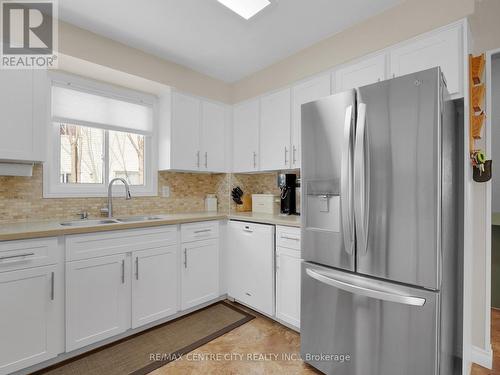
[(165, 191)]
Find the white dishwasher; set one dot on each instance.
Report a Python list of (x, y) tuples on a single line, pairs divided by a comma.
[(251, 265)]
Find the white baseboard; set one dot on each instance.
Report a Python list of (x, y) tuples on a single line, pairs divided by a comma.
[(482, 357)]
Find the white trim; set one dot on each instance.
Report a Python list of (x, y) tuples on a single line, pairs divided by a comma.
[(488, 200), (482, 357), (89, 85), (468, 210)]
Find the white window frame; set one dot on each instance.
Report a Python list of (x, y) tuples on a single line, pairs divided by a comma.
[(53, 188)]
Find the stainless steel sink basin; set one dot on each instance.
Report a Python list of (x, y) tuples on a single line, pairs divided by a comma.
[(137, 218), (88, 223)]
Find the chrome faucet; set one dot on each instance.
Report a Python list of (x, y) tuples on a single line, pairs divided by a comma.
[(109, 210)]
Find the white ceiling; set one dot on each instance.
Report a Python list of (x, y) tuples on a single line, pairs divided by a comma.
[(209, 38)]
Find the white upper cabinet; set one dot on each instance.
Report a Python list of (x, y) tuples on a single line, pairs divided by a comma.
[(23, 114), (361, 73), (213, 134), (186, 122), (443, 48), (192, 134), (246, 136), (275, 130), (305, 92)]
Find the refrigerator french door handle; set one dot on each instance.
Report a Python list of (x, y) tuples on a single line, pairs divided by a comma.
[(361, 183), (346, 183), (374, 292)]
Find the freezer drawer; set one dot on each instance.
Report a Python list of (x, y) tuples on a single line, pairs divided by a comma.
[(374, 327)]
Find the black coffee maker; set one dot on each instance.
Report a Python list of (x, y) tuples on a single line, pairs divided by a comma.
[(287, 183)]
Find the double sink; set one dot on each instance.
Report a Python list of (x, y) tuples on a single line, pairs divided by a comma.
[(91, 223)]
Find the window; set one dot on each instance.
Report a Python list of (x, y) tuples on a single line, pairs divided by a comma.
[(98, 133)]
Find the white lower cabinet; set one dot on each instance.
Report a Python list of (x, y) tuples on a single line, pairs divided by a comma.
[(200, 264), (154, 284), (288, 265), (29, 317), (97, 299), (251, 265), (136, 283), (31, 303), (288, 275)]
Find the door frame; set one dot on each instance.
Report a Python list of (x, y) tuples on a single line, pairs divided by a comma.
[(487, 362)]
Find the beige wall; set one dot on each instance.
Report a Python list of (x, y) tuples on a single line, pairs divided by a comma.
[(402, 22), (485, 25), (91, 47)]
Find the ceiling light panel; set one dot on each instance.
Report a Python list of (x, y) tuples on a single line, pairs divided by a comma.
[(245, 8)]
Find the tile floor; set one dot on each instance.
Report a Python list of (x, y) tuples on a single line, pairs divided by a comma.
[(259, 337)]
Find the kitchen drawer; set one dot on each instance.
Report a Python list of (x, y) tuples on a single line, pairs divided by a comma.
[(16, 255), (199, 231), (288, 237), (93, 245)]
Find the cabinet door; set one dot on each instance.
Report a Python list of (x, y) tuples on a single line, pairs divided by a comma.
[(31, 311), (154, 284), (200, 272), (213, 135), (186, 153), (442, 49), (275, 129), (288, 265), (305, 92), (251, 265), (362, 73), (246, 136), (17, 140), (97, 299)]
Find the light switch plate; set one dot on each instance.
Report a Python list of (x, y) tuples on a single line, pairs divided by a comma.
[(165, 191)]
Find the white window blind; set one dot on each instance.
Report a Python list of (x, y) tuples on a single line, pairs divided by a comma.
[(91, 109)]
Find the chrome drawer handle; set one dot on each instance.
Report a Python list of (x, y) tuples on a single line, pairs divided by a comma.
[(290, 238), (16, 256), (202, 231), (52, 286)]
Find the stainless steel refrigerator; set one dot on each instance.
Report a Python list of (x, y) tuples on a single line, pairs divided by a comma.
[(380, 187)]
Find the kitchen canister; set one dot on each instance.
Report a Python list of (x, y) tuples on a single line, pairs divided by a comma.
[(210, 202)]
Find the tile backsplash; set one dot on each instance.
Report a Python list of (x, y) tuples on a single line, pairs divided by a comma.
[(21, 197)]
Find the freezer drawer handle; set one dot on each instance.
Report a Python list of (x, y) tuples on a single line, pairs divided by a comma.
[(367, 292)]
